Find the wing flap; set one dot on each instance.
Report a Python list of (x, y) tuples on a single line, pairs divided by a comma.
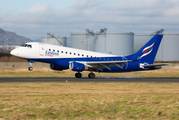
[(98, 65), (106, 66)]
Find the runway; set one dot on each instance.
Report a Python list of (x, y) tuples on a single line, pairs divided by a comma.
[(85, 80)]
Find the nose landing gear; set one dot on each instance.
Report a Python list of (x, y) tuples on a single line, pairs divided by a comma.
[(30, 68), (31, 65)]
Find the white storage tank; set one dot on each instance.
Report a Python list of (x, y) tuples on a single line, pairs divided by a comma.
[(115, 43), (82, 41), (140, 41), (68, 42), (54, 40), (168, 50)]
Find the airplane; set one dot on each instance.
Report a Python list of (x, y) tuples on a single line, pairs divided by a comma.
[(61, 58)]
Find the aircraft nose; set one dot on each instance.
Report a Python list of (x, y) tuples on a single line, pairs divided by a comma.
[(14, 52)]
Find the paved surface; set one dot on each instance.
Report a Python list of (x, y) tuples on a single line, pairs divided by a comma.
[(83, 80)]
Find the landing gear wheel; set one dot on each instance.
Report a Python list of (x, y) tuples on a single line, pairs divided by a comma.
[(91, 75), (78, 75), (30, 68)]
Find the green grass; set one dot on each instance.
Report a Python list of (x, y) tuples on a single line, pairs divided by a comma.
[(58, 107), (74, 101), (47, 72)]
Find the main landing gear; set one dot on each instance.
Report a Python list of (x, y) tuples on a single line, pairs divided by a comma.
[(78, 75), (90, 75)]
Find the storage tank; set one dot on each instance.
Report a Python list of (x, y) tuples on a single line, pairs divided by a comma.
[(54, 40), (168, 50), (68, 42), (115, 43), (140, 41), (82, 41)]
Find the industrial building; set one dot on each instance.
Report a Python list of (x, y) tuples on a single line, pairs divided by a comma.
[(118, 43)]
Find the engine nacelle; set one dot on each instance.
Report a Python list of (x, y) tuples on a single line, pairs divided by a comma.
[(77, 66), (56, 67)]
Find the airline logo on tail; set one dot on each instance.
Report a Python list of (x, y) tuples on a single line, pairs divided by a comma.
[(146, 51)]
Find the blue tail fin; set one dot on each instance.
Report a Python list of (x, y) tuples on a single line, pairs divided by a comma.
[(148, 52)]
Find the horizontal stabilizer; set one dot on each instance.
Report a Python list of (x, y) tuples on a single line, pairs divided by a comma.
[(156, 66)]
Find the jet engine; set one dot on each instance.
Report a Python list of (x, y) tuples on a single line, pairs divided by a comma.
[(75, 66), (56, 67)]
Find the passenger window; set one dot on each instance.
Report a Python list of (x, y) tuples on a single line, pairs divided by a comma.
[(82, 55), (70, 53), (103, 58), (78, 54), (91, 56), (53, 50), (61, 51), (111, 60), (99, 58), (66, 52), (74, 53), (87, 56), (49, 49), (107, 59)]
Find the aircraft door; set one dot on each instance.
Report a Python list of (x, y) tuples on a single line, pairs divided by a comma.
[(42, 49)]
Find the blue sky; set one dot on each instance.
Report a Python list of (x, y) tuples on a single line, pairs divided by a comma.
[(35, 18)]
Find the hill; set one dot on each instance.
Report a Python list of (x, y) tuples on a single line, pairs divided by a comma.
[(13, 38)]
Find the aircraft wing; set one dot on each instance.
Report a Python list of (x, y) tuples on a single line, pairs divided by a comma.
[(98, 65)]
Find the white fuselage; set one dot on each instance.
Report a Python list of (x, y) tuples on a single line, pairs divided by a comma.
[(42, 50)]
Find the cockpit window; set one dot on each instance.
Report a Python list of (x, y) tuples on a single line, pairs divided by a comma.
[(24, 45), (27, 45)]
